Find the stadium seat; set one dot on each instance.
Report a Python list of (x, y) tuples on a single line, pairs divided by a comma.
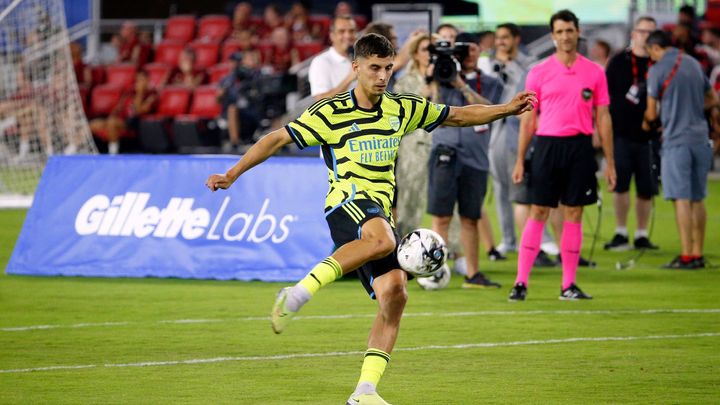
[(158, 74), (180, 28), (323, 21), (360, 22), (103, 100), (227, 48), (206, 53), (197, 132), (214, 27), (98, 74), (168, 52), (121, 74), (309, 49), (219, 71), (156, 130), (174, 100)]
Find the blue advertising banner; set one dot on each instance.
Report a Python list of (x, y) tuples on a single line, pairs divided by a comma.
[(152, 216)]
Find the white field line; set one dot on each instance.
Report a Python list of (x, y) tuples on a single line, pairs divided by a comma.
[(353, 316), (353, 353)]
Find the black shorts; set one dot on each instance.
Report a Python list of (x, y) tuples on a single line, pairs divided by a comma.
[(451, 182), (346, 221), (562, 169), (635, 158)]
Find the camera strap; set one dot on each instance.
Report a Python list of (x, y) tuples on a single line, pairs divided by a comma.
[(672, 74)]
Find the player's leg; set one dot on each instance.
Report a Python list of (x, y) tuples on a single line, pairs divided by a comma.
[(621, 197), (647, 188), (702, 161), (676, 171)]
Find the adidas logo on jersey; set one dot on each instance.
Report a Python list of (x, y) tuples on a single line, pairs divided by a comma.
[(354, 127)]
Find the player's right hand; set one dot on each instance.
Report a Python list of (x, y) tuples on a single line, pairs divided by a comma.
[(523, 102), (518, 173), (217, 181)]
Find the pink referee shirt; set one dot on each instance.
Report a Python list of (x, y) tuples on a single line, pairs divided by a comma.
[(566, 96)]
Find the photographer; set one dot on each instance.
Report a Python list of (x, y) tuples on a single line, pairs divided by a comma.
[(236, 94), (459, 156)]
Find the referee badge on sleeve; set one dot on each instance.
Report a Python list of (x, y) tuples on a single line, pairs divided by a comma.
[(587, 94)]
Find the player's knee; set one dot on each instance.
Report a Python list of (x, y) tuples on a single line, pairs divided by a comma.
[(381, 247), (394, 296)]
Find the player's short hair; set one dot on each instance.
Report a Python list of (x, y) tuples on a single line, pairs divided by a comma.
[(373, 44), (660, 38), (347, 17), (564, 15), (512, 28), (645, 18)]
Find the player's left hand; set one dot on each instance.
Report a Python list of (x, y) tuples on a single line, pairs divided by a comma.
[(522, 102), (610, 176), (218, 181)]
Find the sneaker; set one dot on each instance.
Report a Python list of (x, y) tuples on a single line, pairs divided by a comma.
[(495, 256), (619, 243), (544, 260), (573, 293), (582, 262), (679, 264), (700, 262), (644, 243), (366, 399), (280, 315), (479, 281), (518, 293), (504, 248)]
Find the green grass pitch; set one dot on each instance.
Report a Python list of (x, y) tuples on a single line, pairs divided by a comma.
[(650, 336)]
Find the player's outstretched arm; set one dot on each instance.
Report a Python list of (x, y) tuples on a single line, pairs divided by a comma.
[(477, 114), (258, 153)]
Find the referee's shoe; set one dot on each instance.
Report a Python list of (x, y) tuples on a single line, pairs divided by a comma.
[(573, 293)]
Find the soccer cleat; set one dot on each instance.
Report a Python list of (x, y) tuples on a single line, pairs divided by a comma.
[(644, 243), (479, 281), (700, 262), (573, 293), (280, 315), (518, 292), (619, 243), (366, 399), (543, 260), (494, 255), (679, 264)]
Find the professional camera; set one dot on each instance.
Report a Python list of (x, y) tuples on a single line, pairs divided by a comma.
[(447, 60)]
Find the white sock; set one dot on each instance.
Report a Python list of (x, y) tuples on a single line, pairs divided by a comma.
[(640, 233), (365, 388), (113, 148), (621, 230), (297, 297)]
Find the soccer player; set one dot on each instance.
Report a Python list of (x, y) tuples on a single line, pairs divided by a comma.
[(562, 169), (359, 132)]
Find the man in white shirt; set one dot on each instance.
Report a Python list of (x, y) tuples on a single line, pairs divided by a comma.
[(331, 71)]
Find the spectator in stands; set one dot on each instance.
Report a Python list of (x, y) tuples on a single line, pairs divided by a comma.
[(683, 92), (185, 74), (331, 71), (129, 43), (145, 50), (627, 75), (241, 18), (687, 16), (600, 52), (411, 169), (83, 74), (281, 55), (297, 21), (684, 40), (233, 94), (135, 103), (486, 41), (109, 51), (458, 162), (343, 8), (272, 19), (710, 39)]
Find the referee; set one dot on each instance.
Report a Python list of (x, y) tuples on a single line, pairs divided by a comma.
[(569, 88)]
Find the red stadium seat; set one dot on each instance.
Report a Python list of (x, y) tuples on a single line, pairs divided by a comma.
[(323, 21), (309, 49), (121, 74), (158, 74), (228, 48), (214, 27), (104, 99), (206, 53), (98, 74), (168, 52), (180, 28), (360, 22), (219, 71), (196, 131), (174, 100), (205, 103)]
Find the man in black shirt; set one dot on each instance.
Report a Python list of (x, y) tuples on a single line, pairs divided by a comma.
[(627, 76)]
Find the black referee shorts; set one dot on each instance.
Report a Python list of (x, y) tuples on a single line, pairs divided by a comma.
[(346, 221), (636, 158), (562, 169)]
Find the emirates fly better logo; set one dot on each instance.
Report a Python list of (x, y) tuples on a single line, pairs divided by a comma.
[(129, 215)]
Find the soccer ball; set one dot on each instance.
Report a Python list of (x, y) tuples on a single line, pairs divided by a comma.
[(438, 281), (422, 252)]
